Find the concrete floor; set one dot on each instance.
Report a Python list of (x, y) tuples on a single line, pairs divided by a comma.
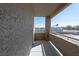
[(43, 48), (36, 49)]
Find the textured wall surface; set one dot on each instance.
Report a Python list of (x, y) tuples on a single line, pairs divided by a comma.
[(39, 36), (16, 29)]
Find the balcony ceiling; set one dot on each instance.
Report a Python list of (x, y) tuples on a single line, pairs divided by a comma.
[(48, 9), (41, 9)]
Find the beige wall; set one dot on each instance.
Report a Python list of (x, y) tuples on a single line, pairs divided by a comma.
[(47, 27), (66, 48), (16, 29), (39, 36)]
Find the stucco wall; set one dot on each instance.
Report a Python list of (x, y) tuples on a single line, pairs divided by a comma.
[(16, 29), (39, 36), (65, 47)]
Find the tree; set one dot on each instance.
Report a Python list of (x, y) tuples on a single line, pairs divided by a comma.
[(56, 25), (77, 27), (68, 27)]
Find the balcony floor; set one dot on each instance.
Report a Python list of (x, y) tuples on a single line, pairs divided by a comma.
[(43, 48), (36, 49)]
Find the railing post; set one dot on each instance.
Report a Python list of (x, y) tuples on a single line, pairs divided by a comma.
[(47, 27)]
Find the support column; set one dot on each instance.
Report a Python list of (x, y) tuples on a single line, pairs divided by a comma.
[(47, 27)]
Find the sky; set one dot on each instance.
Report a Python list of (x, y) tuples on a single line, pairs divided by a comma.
[(39, 22), (69, 16)]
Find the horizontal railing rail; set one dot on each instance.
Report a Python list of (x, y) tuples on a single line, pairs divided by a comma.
[(66, 36)]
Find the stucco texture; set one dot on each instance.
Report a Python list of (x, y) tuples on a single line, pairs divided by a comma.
[(16, 29)]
